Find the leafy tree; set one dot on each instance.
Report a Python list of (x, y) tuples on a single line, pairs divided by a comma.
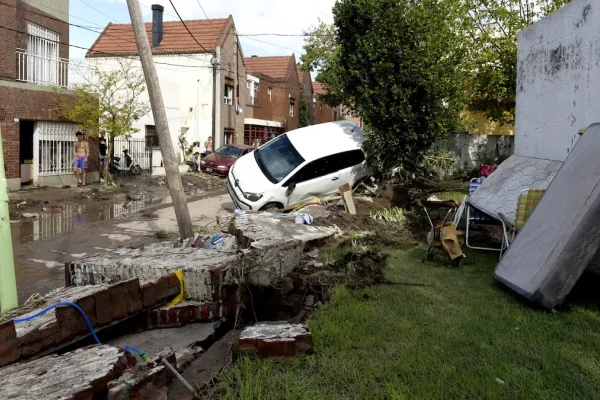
[(303, 115), (399, 64), (491, 29), (109, 102)]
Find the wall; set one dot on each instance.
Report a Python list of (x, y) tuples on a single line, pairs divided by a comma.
[(558, 80), (473, 150), (56, 8), (324, 113), (235, 74), (27, 102), (476, 123)]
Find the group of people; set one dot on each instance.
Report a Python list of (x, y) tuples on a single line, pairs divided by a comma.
[(194, 159)]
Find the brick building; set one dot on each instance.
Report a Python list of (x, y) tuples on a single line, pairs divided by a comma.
[(34, 73), (274, 97), (322, 112)]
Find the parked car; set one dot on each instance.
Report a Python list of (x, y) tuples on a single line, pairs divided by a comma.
[(298, 166), (221, 160)]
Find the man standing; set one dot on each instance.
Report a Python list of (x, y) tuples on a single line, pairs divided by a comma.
[(209, 145), (102, 152), (82, 152)]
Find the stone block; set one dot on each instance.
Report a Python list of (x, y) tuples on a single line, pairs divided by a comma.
[(10, 351), (134, 296), (278, 340), (148, 295), (103, 309), (118, 300)]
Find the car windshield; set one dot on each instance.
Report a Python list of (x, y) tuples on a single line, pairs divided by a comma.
[(278, 158), (228, 151)]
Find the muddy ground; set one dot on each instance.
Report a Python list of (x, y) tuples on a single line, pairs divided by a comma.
[(39, 200)]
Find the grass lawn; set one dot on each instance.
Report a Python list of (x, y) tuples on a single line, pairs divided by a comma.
[(464, 336)]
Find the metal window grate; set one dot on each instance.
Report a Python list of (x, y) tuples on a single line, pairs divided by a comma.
[(56, 147)]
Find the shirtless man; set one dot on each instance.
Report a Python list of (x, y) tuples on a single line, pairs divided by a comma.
[(82, 152), (209, 145)]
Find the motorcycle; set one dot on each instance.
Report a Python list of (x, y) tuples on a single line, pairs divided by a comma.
[(125, 164)]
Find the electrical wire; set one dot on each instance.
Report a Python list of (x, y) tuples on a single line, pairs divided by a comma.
[(186, 27)]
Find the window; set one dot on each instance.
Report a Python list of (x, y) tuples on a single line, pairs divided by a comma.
[(228, 94), (228, 136), (249, 84), (256, 86), (328, 165), (278, 158), (151, 137), (228, 151), (269, 91), (56, 144), (350, 159), (43, 65), (291, 109)]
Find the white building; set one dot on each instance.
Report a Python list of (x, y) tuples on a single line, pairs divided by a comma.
[(185, 72)]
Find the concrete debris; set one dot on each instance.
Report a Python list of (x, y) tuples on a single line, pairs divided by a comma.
[(204, 270), (81, 374), (279, 340), (143, 384), (30, 215), (102, 304)]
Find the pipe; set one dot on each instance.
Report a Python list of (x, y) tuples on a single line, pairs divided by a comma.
[(8, 282), (181, 378), (157, 24)]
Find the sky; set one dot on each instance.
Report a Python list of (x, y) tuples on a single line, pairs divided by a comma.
[(250, 17)]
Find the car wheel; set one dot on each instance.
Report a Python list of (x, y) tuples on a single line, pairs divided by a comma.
[(271, 206)]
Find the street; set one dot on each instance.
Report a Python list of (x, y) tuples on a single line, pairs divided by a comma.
[(40, 257)]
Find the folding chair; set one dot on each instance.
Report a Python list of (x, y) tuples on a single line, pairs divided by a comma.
[(527, 201), (478, 217)]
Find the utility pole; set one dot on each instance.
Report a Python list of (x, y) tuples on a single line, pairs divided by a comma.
[(182, 213), (215, 63), (8, 283)]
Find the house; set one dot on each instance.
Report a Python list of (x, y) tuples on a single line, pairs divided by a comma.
[(274, 96), (187, 71), (34, 77), (305, 82), (323, 112)]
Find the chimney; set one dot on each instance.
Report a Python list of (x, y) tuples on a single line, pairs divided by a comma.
[(157, 24), (254, 56)]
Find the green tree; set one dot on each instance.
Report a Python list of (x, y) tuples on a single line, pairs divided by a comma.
[(303, 115), (399, 64), (108, 102), (491, 29)]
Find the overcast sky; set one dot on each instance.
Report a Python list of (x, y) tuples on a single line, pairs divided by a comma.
[(250, 16)]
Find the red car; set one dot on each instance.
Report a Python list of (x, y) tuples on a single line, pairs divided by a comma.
[(222, 160)]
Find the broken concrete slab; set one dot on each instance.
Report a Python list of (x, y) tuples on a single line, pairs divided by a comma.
[(154, 341), (562, 235), (278, 340), (275, 246), (81, 374), (152, 262)]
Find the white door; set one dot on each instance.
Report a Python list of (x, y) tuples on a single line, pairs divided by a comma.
[(316, 179)]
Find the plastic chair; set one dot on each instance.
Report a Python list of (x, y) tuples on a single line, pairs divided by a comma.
[(527, 201)]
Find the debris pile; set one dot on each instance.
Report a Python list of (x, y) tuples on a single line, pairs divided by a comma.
[(275, 340)]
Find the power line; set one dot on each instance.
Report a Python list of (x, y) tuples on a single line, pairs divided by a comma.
[(94, 8), (186, 28)]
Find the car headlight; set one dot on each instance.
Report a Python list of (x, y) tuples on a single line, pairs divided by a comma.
[(253, 196), (203, 162), (222, 167)]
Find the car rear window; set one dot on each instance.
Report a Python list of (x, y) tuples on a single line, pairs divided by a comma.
[(278, 158), (227, 151)]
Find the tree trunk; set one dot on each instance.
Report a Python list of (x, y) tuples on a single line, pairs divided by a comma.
[(108, 180)]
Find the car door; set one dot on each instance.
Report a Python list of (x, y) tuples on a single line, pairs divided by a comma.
[(351, 166), (316, 179)]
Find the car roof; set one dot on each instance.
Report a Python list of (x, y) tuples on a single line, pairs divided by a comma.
[(317, 141)]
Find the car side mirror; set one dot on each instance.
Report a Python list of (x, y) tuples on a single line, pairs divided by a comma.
[(290, 189)]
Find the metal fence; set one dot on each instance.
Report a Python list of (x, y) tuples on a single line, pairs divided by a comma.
[(139, 152)]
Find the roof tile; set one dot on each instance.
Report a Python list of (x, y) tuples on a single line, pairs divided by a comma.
[(275, 67)]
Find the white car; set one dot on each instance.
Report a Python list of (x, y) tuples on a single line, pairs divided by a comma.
[(298, 166)]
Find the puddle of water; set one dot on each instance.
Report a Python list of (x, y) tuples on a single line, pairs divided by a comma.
[(75, 216)]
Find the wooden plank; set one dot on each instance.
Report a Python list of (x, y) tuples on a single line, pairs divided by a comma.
[(346, 193)]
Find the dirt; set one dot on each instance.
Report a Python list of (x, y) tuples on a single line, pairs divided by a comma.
[(38, 200)]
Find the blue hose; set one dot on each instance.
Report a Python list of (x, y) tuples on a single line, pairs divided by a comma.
[(127, 348), (64, 303)]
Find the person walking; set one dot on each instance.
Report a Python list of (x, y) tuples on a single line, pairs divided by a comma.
[(102, 151)]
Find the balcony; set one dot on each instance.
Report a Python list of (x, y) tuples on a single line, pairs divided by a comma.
[(42, 69)]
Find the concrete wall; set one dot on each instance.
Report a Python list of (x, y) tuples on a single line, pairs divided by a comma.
[(473, 150), (57, 8), (558, 80)]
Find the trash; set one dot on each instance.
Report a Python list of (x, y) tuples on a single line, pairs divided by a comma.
[(314, 253), (239, 212), (305, 219), (310, 300), (213, 242), (21, 204), (179, 298), (500, 381), (30, 215)]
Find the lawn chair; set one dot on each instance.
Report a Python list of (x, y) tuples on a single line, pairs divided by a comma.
[(478, 217), (526, 203)]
